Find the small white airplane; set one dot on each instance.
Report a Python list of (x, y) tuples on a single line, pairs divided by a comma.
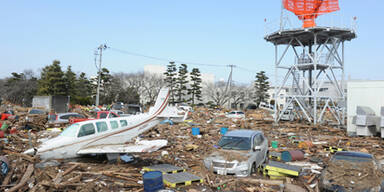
[(110, 136)]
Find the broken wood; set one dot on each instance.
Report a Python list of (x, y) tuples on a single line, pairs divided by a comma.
[(262, 181), (311, 179), (119, 177), (24, 156), (58, 178), (293, 188), (9, 175), (70, 169), (223, 182), (308, 187), (24, 179)]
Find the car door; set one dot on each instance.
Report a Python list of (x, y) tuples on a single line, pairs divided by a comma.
[(259, 140), (258, 154), (264, 146)]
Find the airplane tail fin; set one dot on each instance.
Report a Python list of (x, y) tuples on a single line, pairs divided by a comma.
[(161, 101)]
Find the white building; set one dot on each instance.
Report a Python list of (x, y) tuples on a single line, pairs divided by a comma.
[(155, 69), (369, 93), (281, 98)]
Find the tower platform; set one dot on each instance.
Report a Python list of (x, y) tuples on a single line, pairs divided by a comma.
[(306, 35)]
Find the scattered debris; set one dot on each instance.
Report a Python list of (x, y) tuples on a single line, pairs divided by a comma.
[(95, 173)]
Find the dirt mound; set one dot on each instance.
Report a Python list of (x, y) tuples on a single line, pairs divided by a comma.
[(361, 175)]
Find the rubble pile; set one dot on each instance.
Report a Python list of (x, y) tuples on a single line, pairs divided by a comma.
[(96, 173), (365, 174)]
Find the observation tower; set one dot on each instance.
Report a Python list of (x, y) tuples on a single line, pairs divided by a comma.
[(308, 58)]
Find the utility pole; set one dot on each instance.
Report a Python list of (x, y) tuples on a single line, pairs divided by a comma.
[(229, 84), (100, 49)]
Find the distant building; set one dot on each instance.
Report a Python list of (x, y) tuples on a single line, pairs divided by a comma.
[(281, 98), (154, 69)]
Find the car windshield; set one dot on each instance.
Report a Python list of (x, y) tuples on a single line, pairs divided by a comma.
[(70, 131), (35, 111), (235, 143)]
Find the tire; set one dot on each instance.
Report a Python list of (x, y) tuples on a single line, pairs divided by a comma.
[(266, 157), (253, 169)]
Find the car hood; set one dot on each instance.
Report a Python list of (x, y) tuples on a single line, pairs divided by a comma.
[(229, 155), (345, 176)]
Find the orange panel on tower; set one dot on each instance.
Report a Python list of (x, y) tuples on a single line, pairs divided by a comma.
[(308, 10)]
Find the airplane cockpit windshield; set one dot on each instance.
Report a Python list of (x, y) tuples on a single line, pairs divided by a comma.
[(70, 131)]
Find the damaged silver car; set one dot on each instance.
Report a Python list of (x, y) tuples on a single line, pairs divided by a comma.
[(352, 171), (239, 153)]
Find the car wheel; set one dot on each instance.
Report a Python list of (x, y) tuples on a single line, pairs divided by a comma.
[(266, 157), (253, 169)]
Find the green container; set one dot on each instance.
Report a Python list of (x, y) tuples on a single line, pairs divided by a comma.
[(4, 126), (275, 144)]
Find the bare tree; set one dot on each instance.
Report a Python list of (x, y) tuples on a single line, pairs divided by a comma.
[(20, 88), (146, 84), (216, 92), (237, 95), (153, 84)]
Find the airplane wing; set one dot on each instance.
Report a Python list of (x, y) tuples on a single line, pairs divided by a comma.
[(138, 147)]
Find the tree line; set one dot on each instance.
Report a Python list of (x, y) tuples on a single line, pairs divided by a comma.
[(136, 88), (190, 90), (52, 80)]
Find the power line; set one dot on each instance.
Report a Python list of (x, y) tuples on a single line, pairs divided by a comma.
[(245, 69), (178, 61), (164, 59), (229, 83)]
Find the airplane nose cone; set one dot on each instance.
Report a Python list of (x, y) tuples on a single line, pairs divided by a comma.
[(30, 151)]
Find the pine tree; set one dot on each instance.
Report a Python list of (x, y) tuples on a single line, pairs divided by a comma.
[(261, 87), (195, 90), (181, 83), (105, 86), (170, 79), (83, 90), (70, 81), (52, 80)]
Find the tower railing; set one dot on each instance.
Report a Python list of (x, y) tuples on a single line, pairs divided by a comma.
[(289, 21)]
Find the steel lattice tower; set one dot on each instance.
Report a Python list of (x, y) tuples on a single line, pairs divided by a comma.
[(318, 58)]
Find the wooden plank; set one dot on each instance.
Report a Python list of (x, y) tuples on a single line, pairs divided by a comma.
[(70, 169), (9, 175), (24, 156), (262, 181), (59, 177), (24, 179)]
